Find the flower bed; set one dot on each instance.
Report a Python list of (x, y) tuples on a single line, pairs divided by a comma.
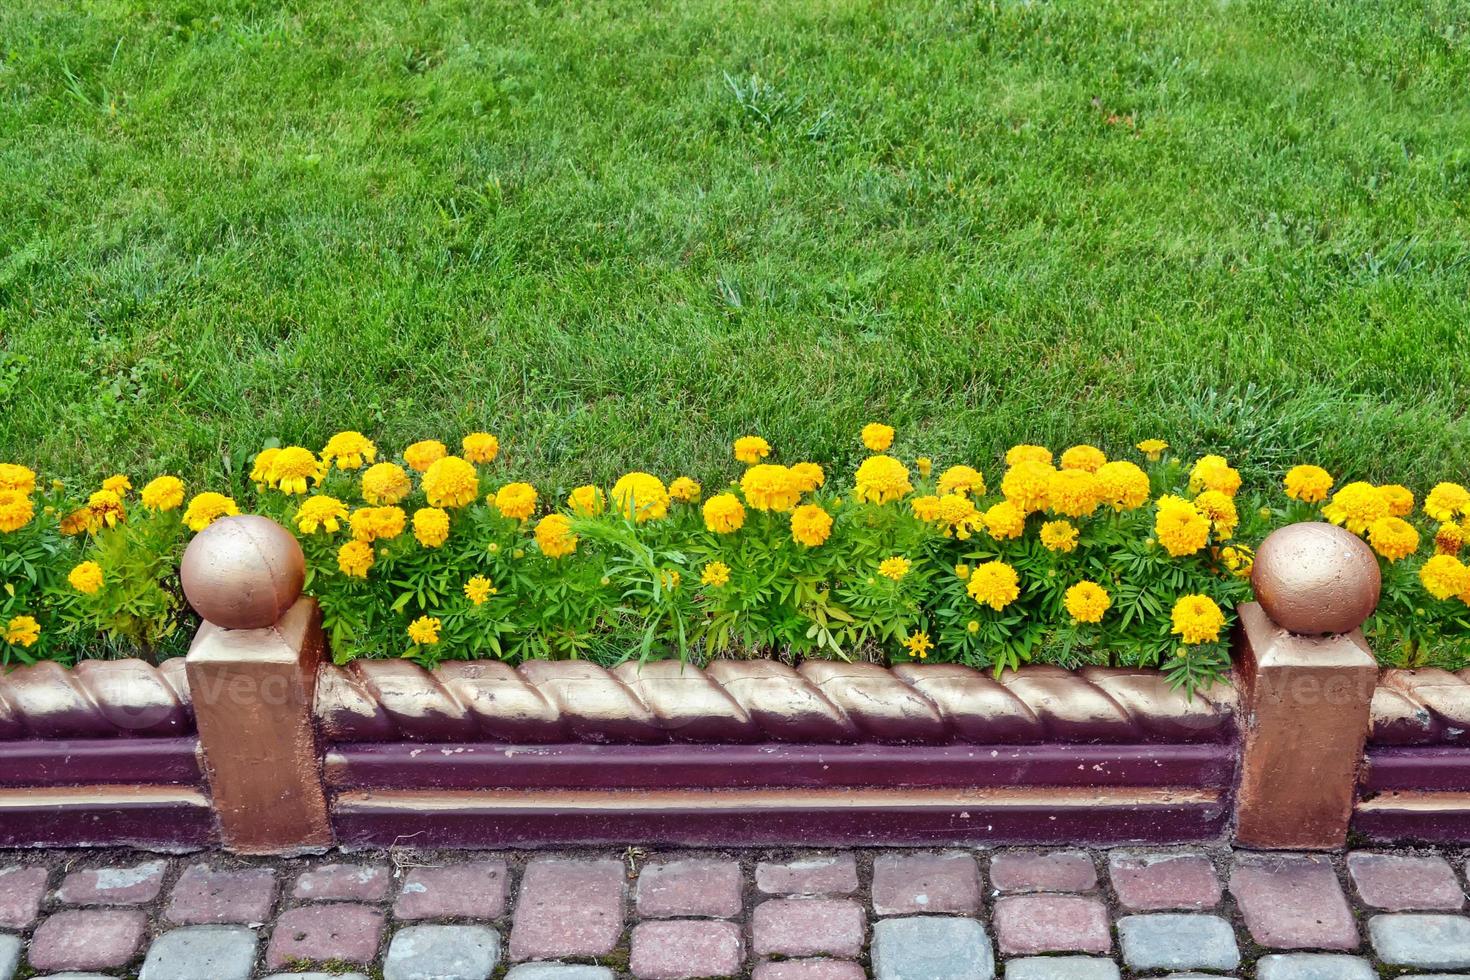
[(1067, 560)]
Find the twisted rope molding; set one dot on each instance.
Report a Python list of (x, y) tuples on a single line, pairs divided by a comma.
[(1421, 707), (96, 699), (759, 700)]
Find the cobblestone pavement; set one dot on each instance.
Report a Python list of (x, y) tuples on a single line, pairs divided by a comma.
[(663, 915)]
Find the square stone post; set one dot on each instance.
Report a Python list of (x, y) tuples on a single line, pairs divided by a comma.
[(252, 673), (1304, 715), (1305, 677)]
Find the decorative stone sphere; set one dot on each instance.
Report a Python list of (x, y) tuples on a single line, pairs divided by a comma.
[(1315, 578), (243, 572)]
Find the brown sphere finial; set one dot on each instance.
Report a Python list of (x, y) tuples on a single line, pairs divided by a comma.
[(1316, 578), (243, 572)]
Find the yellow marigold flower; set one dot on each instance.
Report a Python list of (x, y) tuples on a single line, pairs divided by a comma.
[(1444, 576), (431, 526), (163, 493), (895, 567), (118, 484), (1087, 601), (715, 574), (685, 489), (1072, 492), (1152, 449), (385, 484), (882, 479), (1393, 538), (1213, 473), (450, 482), (925, 466), (16, 510), (1356, 506), (1239, 559), (478, 589), (516, 501), (994, 584), (918, 644), (22, 631), (810, 525), (1179, 527), (1084, 457), (1449, 539), (670, 578), (320, 512), (641, 496), (424, 631), (751, 449), (377, 523), (480, 447), (1309, 484), (293, 468), (962, 572), (17, 478), (421, 455), (1059, 536), (1220, 510), (973, 626), (1025, 453), (72, 524), (1447, 501), (808, 476), (957, 514), (86, 578), (349, 450), (961, 479), (355, 558), (1197, 619), (1005, 521), (925, 508), (104, 509), (724, 513), (877, 436), (1400, 499), (555, 537), (1122, 485), (587, 500), (264, 460), (206, 508), (770, 487), (1027, 484)]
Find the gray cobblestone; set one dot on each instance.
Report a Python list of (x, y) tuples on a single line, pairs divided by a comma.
[(436, 952), (1177, 941), (559, 971), (1314, 966), (932, 949), (217, 952), (1061, 968), (1434, 942)]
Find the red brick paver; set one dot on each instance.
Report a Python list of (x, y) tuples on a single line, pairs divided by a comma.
[(908, 883), (1293, 902), (21, 891), (473, 890), (204, 896), (689, 888), (131, 885), (343, 883), (568, 908), (809, 970), (1157, 882), (809, 927), (1029, 924), (822, 875), (680, 949), (1060, 871), (322, 933), (88, 940), (1405, 883)]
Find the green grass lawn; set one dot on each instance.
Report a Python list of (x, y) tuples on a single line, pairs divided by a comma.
[(620, 234)]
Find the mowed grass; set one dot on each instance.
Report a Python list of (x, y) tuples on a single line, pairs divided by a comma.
[(620, 234)]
